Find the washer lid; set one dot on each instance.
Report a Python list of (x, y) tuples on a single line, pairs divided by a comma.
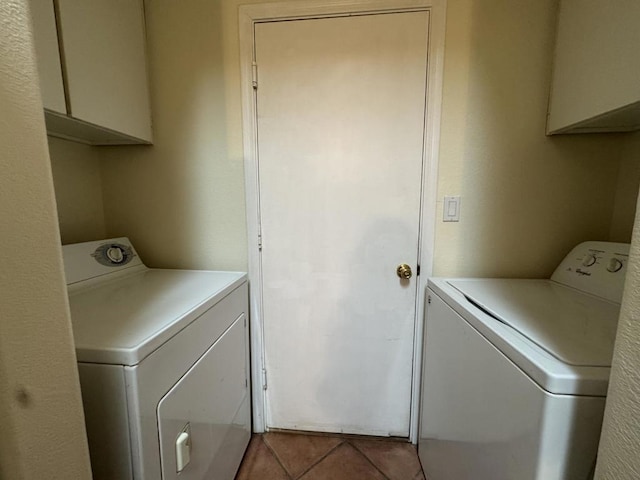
[(124, 320), (574, 327)]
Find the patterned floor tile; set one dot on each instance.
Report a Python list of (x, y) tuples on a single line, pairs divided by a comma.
[(397, 460), (260, 464), (298, 453), (288, 456), (344, 463)]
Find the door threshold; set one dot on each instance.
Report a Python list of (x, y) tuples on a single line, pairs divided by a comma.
[(350, 436)]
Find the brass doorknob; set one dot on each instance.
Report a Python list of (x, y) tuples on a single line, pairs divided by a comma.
[(404, 271)]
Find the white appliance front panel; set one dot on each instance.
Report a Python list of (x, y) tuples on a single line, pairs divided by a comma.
[(483, 418), (341, 115), (574, 327), (104, 400), (212, 399), (149, 381)]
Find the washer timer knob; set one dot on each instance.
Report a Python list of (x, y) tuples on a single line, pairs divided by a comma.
[(614, 265), (589, 260)]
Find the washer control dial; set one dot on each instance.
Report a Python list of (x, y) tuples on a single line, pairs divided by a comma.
[(614, 265), (589, 260)]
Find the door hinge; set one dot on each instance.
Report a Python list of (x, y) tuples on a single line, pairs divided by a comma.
[(260, 241), (429, 299), (254, 74), (264, 378), (418, 270)]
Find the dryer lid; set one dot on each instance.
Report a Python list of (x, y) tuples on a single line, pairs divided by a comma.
[(124, 320), (576, 328)]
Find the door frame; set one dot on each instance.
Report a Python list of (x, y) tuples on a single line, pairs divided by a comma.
[(249, 15)]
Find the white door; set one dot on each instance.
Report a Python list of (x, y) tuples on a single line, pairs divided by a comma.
[(341, 108)]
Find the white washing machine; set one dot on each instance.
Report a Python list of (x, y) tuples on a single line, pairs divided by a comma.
[(515, 372), (164, 365)]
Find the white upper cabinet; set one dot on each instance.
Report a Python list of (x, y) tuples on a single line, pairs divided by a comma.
[(104, 51), (596, 76), (99, 47), (49, 66)]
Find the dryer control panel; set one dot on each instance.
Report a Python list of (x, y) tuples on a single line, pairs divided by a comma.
[(598, 268), (90, 260)]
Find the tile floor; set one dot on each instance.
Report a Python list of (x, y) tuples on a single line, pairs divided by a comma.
[(288, 456)]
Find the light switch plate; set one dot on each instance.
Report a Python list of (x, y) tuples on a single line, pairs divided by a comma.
[(451, 209)]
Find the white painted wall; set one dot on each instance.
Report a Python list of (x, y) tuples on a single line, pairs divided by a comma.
[(43, 434), (618, 457), (78, 187)]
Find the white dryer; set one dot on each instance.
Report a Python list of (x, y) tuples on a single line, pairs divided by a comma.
[(515, 372), (163, 361)]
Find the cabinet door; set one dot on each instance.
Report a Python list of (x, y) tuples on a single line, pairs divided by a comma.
[(45, 36), (105, 60), (596, 74)]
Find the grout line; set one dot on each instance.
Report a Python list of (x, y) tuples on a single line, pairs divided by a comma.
[(370, 461), (342, 442), (275, 455)]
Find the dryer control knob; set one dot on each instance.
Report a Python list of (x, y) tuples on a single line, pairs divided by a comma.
[(115, 254), (589, 260), (614, 265)]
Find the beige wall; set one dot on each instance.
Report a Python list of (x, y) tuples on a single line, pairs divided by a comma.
[(43, 434), (526, 198), (618, 457), (626, 190), (181, 201), (78, 187)]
